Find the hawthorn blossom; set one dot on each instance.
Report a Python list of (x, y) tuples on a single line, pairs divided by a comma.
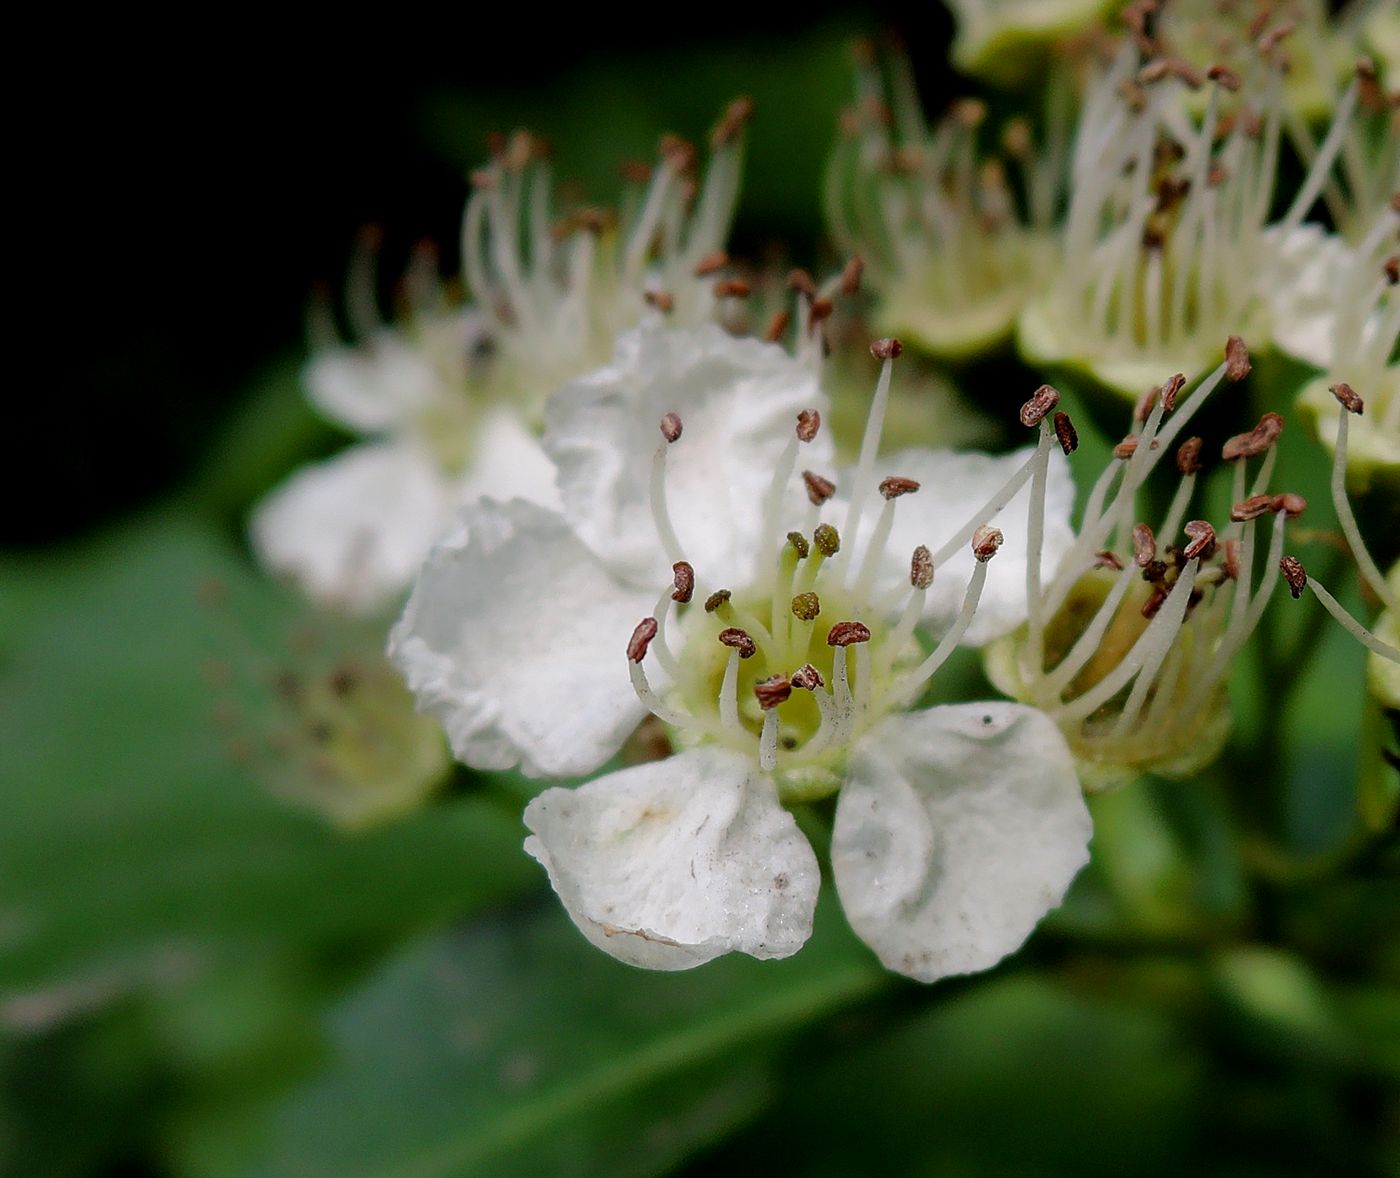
[(1006, 41), (778, 646), (449, 401)]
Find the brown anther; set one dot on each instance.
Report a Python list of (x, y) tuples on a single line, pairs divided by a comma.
[(1146, 403), (1256, 442), (1217, 175), (1290, 503), (1133, 95), (1202, 540), (1252, 508), (732, 288), (1370, 91), (671, 426), (677, 152), (800, 281), (968, 112), (1127, 447), (716, 599), (799, 543), (820, 309), (1230, 562), (1237, 364), (1154, 71), (1171, 389), (662, 300), (772, 691), (484, 179), (1295, 575), (731, 123), (1104, 559), (827, 539), (641, 639), (819, 490), (711, 263), (1224, 77), (1395, 202), (1271, 40), (985, 542), (1016, 139), (806, 606), (737, 639), (921, 568), (848, 634), (1348, 397), (1391, 268), (886, 349), (1188, 456), (684, 579), (777, 326), (850, 276), (1041, 402), (809, 421), (894, 486), (1144, 545), (1155, 572), (808, 678), (1174, 67), (1154, 602), (1065, 433), (635, 171)]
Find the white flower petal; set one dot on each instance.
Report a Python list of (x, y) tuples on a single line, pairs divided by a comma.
[(958, 828), (738, 399), (508, 462), (516, 638), (952, 486), (672, 863), (352, 531), (1301, 289)]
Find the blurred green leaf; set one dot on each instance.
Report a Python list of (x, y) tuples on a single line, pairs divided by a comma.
[(515, 1047), (135, 853)]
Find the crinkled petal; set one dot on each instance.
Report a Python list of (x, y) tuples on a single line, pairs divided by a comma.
[(352, 531), (738, 399), (380, 384), (672, 863), (1301, 289), (515, 637), (958, 828), (953, 486)]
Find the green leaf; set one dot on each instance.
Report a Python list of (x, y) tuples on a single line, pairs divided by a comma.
[(135, 853), (515, 1047)]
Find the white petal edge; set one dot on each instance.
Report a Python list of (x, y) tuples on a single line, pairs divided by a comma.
[(352, 531), (671, 864), (738, 400), (953, 486), (957, 830), (1300, 289), (515, 638)]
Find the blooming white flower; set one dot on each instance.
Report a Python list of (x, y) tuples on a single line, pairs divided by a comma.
[(450, 402), (1007, 41), (783, 661)]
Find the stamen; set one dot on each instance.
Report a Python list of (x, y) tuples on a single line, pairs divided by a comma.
[(1202, 540), (1295, 575), (909, 687), (807, 678), (921, 568), (819, 489), (729, 693), (1369, 572), (684, 575), (716, 599), (848, 633), (1144, 545), (806, 606), (661, 516), (1257, 441), (809, 421), (1041, 402), (737, 639), (768, 742), (985, 542), (641, 639), (885, 350), (1351, 625), (771, 692), (1065, 433), (671, 427)]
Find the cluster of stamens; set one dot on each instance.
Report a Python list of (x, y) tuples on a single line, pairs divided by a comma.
[(807, 654)]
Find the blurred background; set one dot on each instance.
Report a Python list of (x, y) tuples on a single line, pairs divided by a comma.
[(199, 978)]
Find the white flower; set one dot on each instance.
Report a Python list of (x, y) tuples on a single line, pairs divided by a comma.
[(450, 402), (784, 664), (1008, 41)]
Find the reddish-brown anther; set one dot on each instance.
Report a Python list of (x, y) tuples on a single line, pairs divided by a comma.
[(1105, 559), (851, 275), (1154, 601), (800, 281), (1256, 442), (732, 288), (895, 486), (1295, 575), (1237, 364), (820, 309), (1290, 503), (808, 678), (1224, 77), (1146, 403), (777, 326), (1144, 545), (771, 692), (1252, 508), (737, 639), (1202, 540), (819, 489), (683, 574), (809, 421), (716, 599), (848, 634), (1391, 267), (661, 300), (671, 426), (886, 349), (1127, 447), (985, 542), (1188, 456), (731, 123), (1041, 402), (921, 568), (641, 639), (711, 263), (1065, 433), (1171, 389), (1230, 562), (1348, 397)]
